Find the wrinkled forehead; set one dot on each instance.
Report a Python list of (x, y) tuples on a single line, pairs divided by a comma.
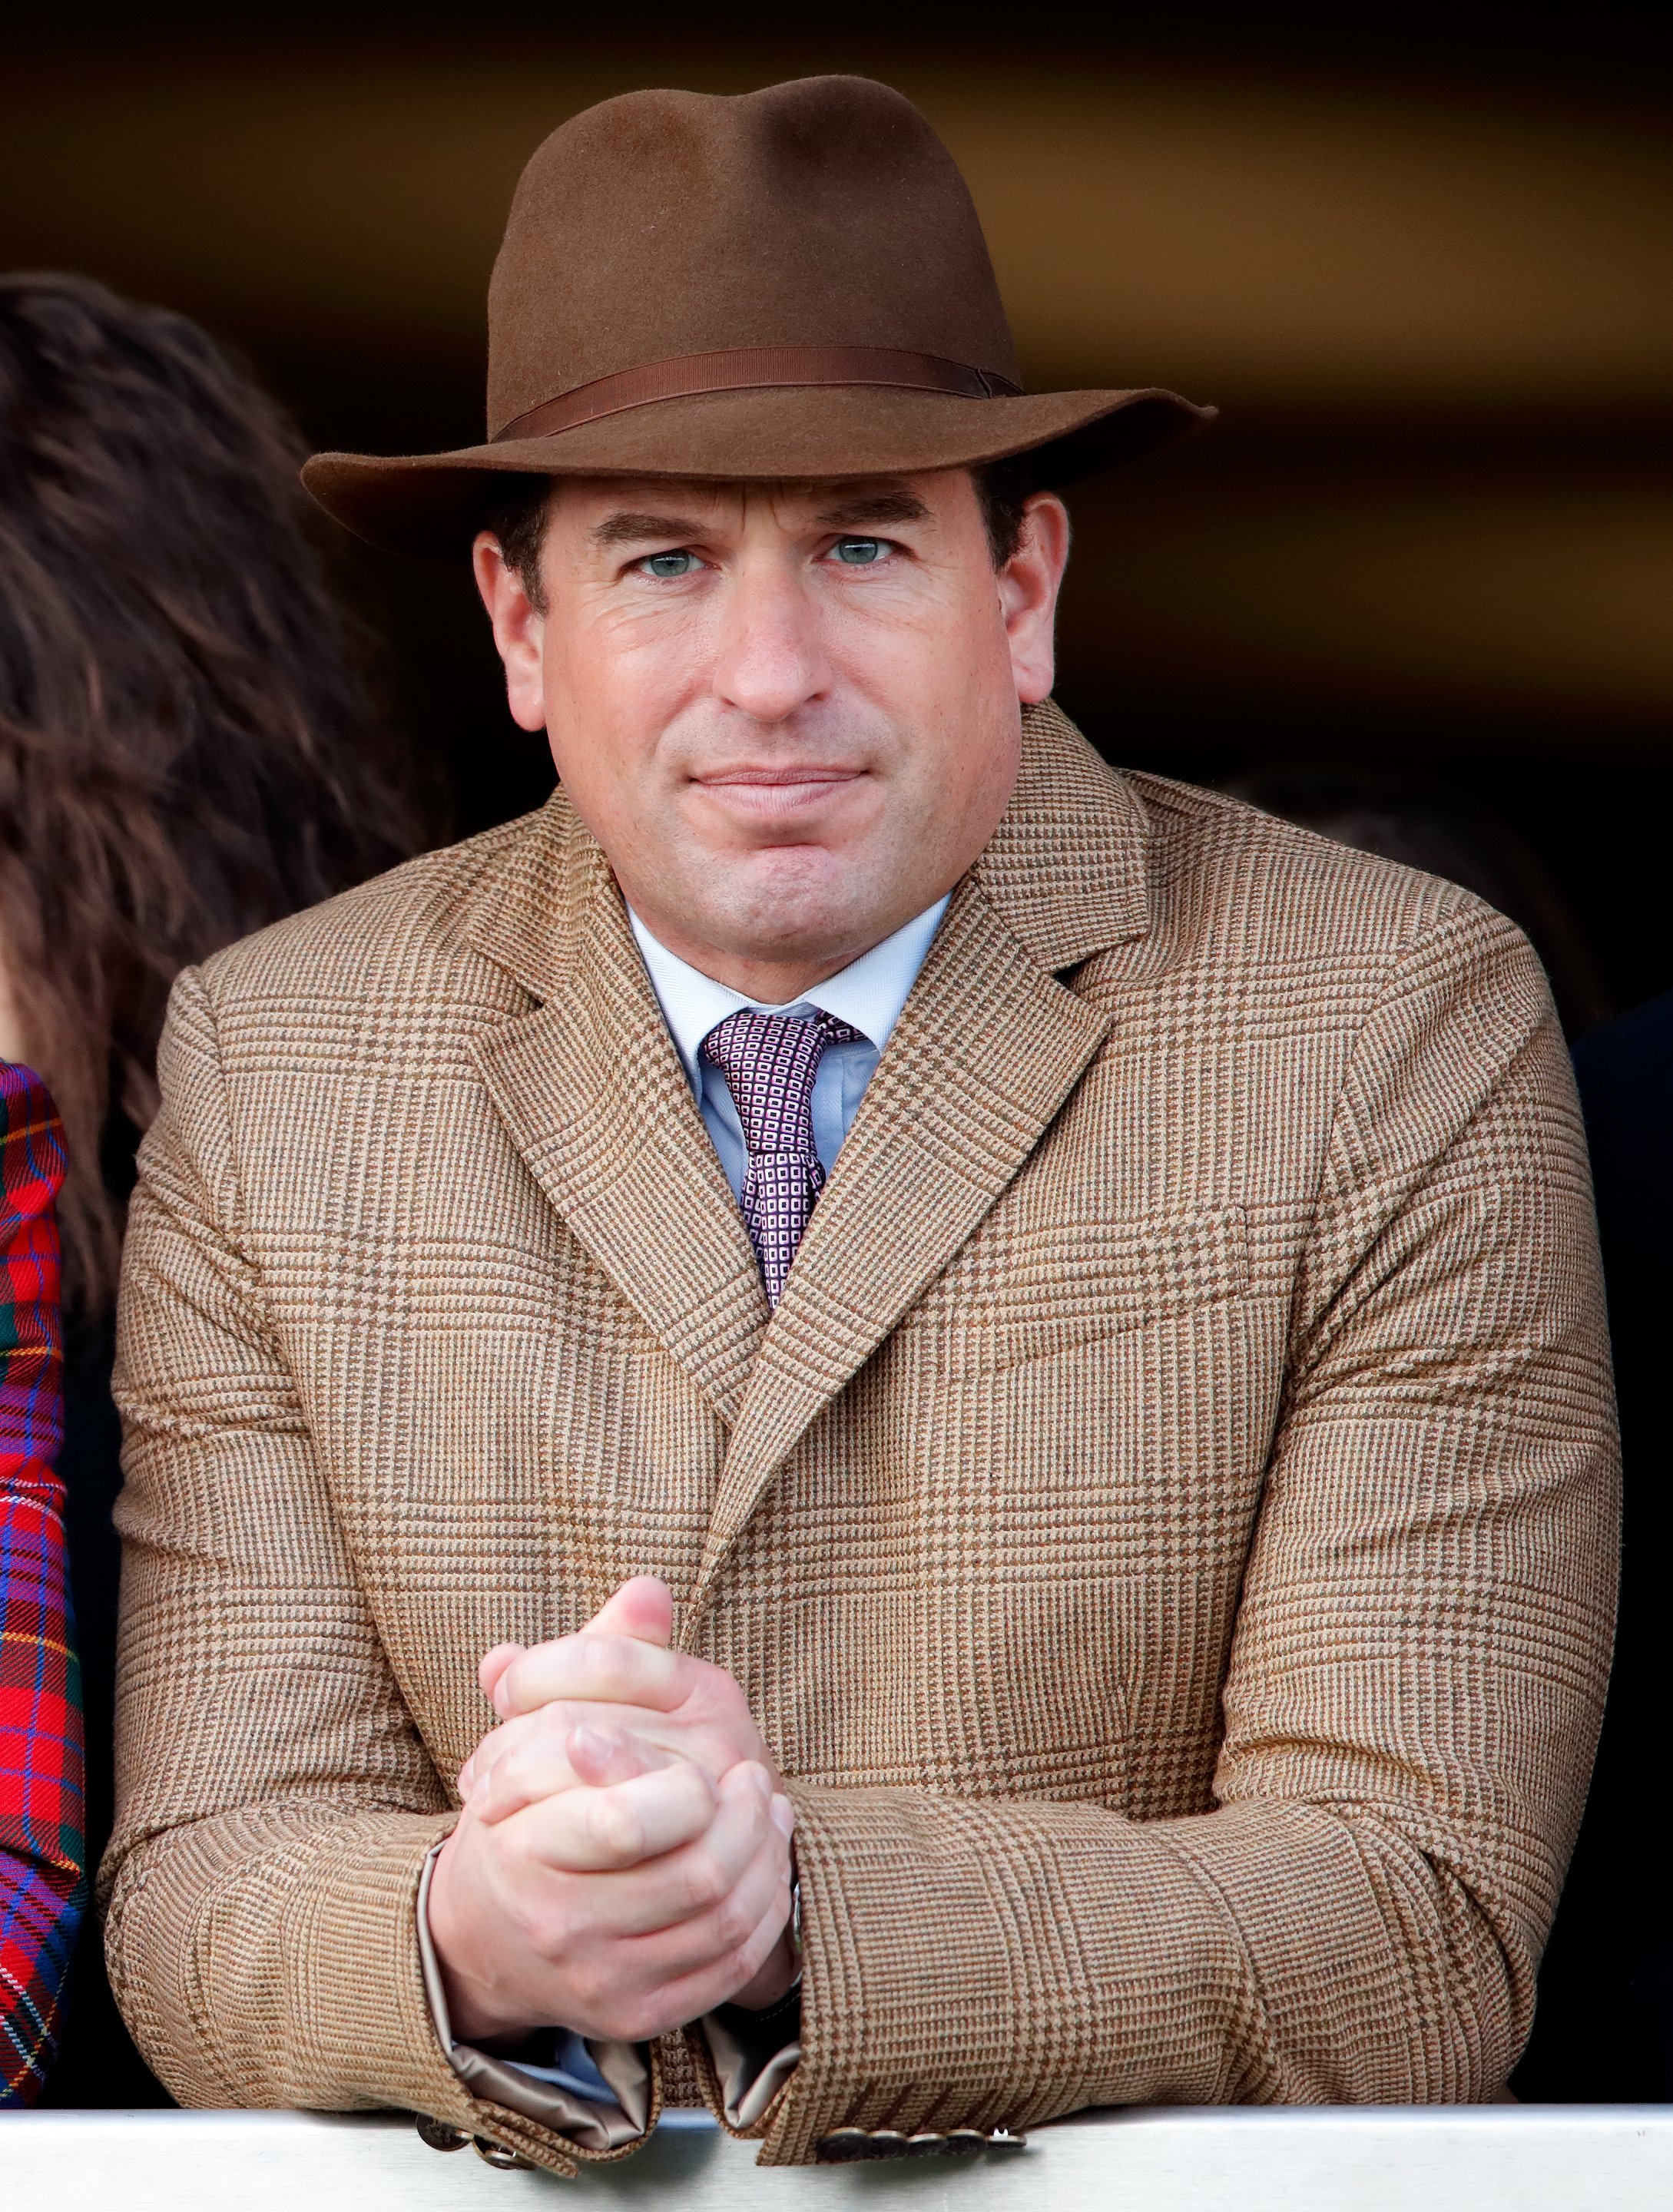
[(609, 508)]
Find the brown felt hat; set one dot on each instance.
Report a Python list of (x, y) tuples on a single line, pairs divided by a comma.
[(793, 283)]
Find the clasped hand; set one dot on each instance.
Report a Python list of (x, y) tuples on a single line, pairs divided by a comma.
[(622, 1864)]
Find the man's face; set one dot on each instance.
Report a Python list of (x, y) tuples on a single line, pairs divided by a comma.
[(789, 714)]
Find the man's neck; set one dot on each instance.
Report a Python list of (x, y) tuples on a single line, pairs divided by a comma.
[(767, 982)]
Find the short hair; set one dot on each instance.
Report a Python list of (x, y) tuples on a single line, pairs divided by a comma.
[(517, 517)]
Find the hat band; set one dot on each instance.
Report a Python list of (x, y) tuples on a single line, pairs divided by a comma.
[(754, 368)]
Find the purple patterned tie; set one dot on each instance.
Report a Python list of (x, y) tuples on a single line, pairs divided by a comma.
[(769, 1061)]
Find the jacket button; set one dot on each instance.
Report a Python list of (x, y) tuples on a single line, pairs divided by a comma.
[(848, 2146), (437, 2133), (885, 2143), (498, 2154), (842, 2147)]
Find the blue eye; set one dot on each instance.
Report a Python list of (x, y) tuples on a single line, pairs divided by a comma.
[(680, 563), (860, 552)]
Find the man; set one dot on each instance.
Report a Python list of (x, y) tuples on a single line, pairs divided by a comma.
[(998, 1366)]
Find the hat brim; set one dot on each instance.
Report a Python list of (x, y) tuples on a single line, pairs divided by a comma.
[(433, 503)]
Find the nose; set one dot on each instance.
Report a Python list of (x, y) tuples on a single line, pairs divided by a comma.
[(772, 658)]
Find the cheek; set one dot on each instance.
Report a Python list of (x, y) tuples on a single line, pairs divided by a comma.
[(973, 747), (925, 660), (611, 692), (629, 663)]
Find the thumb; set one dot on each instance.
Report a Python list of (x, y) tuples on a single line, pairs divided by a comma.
[(601, 1756), (642, 1608)]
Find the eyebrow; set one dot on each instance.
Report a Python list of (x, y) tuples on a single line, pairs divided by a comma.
[(625, 528), (873, 506)]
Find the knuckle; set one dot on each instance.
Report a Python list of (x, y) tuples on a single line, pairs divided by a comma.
[(600, 1660), (509, 1772), (530, 1922), (519, 1693), (706, 1882), (595, 2004), (547, 1938), (508, 1843), (640, 2022), (616, 1826), (733, 1925), (558, 1936)]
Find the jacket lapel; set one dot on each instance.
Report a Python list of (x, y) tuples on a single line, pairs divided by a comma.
[(591, 1090), (987, 1048)]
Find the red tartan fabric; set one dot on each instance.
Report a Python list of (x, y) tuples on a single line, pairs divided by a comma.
[(42, 1883)]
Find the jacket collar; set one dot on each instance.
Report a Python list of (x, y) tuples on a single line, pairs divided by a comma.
[(1067, 868), (989, 1045)]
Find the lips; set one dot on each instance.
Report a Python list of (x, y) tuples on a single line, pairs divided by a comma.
[(774, 779), (774, 795)]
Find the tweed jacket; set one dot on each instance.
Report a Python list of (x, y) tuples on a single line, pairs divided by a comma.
[(1166, 1531)]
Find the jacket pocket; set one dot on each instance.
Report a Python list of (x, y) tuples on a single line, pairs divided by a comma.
[(1017, 1293)]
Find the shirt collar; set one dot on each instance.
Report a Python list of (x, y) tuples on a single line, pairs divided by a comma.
[(867, 994)]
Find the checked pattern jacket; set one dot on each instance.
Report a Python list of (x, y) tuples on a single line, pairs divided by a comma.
[(42, 1885), (1166, 1529)]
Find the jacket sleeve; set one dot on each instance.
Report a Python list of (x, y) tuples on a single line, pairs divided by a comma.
[(42, 1823), (274, 1804), (1412, 1694)]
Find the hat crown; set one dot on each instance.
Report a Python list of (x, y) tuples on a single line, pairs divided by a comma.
[(822, 212)]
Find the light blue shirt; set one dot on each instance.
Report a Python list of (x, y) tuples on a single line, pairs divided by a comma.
[(867, 994)]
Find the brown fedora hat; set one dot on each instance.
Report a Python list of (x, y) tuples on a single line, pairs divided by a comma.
[(792, 283)]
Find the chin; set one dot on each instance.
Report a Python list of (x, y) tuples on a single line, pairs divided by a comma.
[(790, 903)]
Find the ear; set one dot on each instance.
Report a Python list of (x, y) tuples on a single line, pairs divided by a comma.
[(518, 631), (1028, 586)]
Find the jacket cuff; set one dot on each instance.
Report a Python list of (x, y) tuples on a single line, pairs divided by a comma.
[(752, 2055), (612, 2122)]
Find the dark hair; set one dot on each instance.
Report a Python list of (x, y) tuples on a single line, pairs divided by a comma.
[(517, 516), (187, 746)]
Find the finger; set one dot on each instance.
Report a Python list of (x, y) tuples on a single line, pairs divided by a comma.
[(646, 1959), (687, 1996), (543, 1736), (601, 1756), (642, 1608), (691, 1946), (586, 1831), (494, 1664), (685, 1884), (646, 2001), (596, 1667), (554, 1759)]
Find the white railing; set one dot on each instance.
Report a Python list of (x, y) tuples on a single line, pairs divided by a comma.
[(1493, 2158)]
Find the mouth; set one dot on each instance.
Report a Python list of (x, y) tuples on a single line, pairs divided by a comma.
[(776, 777), (776, 793)]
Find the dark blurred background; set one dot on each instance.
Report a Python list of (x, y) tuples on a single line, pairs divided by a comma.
[(1418, 585)]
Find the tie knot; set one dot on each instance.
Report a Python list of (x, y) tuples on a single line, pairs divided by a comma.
[(769, 1062)]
